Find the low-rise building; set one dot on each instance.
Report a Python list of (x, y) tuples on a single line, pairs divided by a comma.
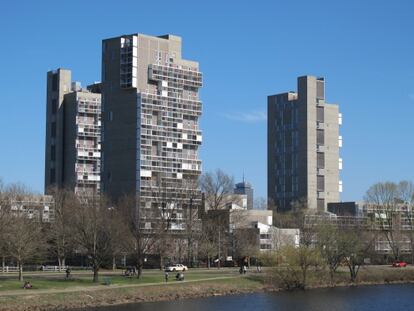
[(389, 229), (273, 238), (37, 207)]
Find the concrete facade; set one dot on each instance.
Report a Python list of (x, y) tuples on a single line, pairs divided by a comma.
[(73, 134), (303, 147), (151, 111)]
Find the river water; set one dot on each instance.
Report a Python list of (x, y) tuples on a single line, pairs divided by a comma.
[(361, 298)]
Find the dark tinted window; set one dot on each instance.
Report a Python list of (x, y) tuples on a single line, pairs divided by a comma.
[(53, 129), (54, 82), (321, 183), (321, 160), (52, 176), (53, 153), (320, 115), (54, 105), (320, 137)]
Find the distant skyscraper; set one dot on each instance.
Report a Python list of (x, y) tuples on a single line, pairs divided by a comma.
[(151, 111), (73, 134), (303, 147), (245, 188)]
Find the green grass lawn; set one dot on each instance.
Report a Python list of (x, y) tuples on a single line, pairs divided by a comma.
[(58, 281)]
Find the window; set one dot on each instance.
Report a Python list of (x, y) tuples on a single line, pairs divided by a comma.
[(52, 176), (320, 204), (288, 161), (287, 116), (320, 89), (320, 114), (321, 183), (54, 106), (288, 138), (320, 159), (53, 153), (55, 82), (265, 246), (320, 137), (53, 129)]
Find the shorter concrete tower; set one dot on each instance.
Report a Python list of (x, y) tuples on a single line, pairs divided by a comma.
[(303, 160), (245, 188), (73, 134)]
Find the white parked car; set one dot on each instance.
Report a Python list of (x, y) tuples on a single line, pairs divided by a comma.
[(176, 267)]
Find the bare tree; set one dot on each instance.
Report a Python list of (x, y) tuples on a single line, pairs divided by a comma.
[(260, 203), (191, 205), (60, 230), (298, 262), (23, 238), (92, 230), (331, 247), (3, 223), (208, 243), (405, 191), (139, 239), (383, 198), (216, 187), (175, 211), (356, 244), (119, 233), (166, 217), (246, 243)]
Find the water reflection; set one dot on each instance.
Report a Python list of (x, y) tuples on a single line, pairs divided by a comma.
[(361, 298)]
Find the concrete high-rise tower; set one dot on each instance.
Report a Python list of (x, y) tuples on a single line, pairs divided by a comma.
[(303, 160), (151, 111), (73, 134), (245, 188)]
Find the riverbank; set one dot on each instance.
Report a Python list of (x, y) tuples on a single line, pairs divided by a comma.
[(229, 283), (122, 294)]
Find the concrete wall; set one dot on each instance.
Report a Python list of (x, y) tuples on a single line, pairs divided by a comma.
[(302, 152), (119, 124), (55, 93)]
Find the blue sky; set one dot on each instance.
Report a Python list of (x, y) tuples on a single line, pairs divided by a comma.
[(247, 50)]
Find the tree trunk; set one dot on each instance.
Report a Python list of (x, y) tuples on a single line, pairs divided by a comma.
[(352, 270), (60, 264), (304, 272), (161, 261), (95, 274), (20, 271), (113, 263), (189, 253), (331, 276), (139, 270), (208, 262), (412, 252), (3, 264)]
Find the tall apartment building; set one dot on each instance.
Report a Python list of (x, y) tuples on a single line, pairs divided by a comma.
[(73, 134), (151, 111), (245, 188), (303, 160)]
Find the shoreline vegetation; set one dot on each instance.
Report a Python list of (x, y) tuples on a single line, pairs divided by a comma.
[(51, 292)]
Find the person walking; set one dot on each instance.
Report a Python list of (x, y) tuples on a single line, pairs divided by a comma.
[(67, 273), (166, 277)]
